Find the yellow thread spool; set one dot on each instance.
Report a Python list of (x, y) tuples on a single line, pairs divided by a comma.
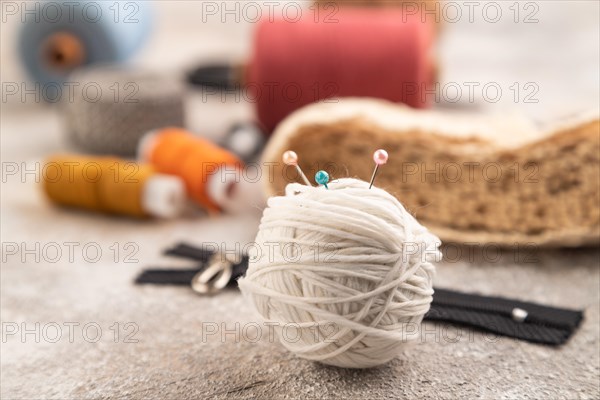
[(112, 185)]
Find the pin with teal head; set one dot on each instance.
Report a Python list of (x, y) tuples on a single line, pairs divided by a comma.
[(322, 178), (380, 157)]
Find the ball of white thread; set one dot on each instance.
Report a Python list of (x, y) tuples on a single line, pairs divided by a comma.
[(362, 295)]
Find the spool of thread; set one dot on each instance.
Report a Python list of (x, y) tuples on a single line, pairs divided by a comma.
[(113, 186), (211, 173), (119, 108), (357, 298), (60, 36), (375, 52)]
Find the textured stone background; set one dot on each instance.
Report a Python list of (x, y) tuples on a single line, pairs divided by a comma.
[(170, 359)]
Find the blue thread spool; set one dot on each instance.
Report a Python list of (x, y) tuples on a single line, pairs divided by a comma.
[(58, 37), (322, 178)]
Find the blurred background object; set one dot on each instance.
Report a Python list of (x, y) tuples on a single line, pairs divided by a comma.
[(376, 52), (246, 140), (470, 178), (430, 11), (211, 174), (120, 107), (382, 53), (62, 36), (373, 3), (113, 186), (475, 49)]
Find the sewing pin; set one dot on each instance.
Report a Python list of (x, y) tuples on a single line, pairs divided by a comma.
[(322, 177), (291, 158), (380, 157)]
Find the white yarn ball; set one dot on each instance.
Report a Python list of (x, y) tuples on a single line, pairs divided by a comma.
[(357, 300)]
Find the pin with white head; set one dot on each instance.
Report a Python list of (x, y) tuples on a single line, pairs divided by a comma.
[(291, 158), (380, 157)]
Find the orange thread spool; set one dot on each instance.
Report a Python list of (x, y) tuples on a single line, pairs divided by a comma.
[(209, 172)]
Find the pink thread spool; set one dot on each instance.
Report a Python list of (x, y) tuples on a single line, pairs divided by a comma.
[(382, 53)]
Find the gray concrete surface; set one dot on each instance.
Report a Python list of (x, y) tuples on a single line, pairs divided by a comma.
[(172, 359)]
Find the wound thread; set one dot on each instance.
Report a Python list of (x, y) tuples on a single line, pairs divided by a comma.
[(111, 185), (375, 52), (367, 290), (209, 171)]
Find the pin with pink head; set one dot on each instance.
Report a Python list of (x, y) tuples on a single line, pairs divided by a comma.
[(380, 157), (291, 158)]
